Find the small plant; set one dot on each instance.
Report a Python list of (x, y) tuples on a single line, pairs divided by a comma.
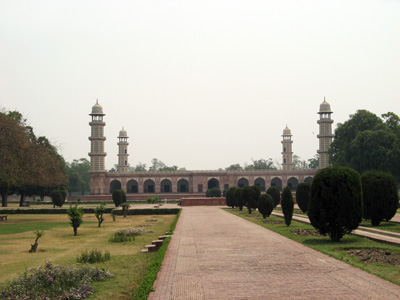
[(94, 256), (39, 234), (54, 282), (287, 205), (79, 200), (127, 235), (153, 199), (75, 215), (125, 208), (113, 215), (99, 212), (265, 205)]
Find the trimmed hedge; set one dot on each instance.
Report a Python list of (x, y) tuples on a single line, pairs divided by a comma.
[(38, 211), (303, 195)]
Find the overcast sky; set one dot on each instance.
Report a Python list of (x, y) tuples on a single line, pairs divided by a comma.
[(197, 84)]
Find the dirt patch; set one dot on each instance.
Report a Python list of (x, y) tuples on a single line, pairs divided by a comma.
[(374, 255), (306, 232), (151, 220), (273, 222)]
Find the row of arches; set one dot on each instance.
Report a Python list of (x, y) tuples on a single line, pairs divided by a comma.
[(149, 185)]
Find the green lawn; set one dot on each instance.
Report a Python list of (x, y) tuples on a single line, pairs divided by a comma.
[(60, 246), (324, 245)]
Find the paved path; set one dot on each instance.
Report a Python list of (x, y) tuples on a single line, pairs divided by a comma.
[(216, 255)]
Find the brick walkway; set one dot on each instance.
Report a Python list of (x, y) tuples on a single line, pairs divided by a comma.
[(216, 255)]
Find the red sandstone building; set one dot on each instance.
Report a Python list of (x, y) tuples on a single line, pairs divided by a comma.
[(179, 184)]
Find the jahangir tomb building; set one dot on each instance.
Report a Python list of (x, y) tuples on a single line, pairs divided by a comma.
[(179, 184)]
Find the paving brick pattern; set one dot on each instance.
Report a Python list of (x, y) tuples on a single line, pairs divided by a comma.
[(215, 255)]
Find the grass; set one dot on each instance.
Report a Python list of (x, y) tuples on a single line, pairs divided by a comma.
[(60, 246), (324, 245)]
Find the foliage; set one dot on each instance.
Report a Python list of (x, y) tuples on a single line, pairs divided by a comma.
[(94, 256), (234, 167), (78, 175), (313, 163), (365, 142), (258, 192), (153, 199), (39, 234), (249, 197), (238, 198), (214, 192), (335, 201), (303, 195), (57, 198), (265, 205), (274, 192), (99, 212), (127, 235), (75, 215), (380, 196), (117, 197), (287, 205), (230, 196), (125, 208), (261, 164), (28, 164), (54, 282)]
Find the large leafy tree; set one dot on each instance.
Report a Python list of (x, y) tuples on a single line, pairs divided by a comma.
[(366, 142), (78, 175), (261, 164), (28, 164)]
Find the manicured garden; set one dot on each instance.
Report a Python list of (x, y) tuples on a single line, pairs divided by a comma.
[(58, 246)]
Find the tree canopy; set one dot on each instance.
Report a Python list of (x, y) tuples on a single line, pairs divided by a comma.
[(28, 164), (366, 142)]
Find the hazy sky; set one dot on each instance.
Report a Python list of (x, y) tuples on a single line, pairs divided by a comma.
[(198, 84)]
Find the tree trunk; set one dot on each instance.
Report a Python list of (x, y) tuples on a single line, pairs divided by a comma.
[(22, 199), (4, 196), (75, 231)]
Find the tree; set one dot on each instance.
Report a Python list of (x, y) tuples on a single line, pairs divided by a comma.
[(303, 195), (335, 201), (235, 167), (214, 192), (249, 198), (117, 197), (230, 196), (258, 192), (265, 205), (366, 142), (261, 164), (78, 175), (380, 196), (140, 167), (75, 215), (125, 208), (313, 163), (274, 192), (99, 212), (238, 198), (287, 205)]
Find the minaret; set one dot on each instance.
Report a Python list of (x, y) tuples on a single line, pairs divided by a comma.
[(287, 163), (123, 151), (325, 135), (97, 138)]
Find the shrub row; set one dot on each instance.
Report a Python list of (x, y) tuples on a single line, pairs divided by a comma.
[(147, 211)]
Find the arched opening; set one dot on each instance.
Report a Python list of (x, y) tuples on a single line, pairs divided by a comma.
[(212, 183), (292, 183), (149, 186), (277, 182), (308, 179), (166, 186), (260, 183), (183, 186), (132, 186), (115, 185), (243, 182)]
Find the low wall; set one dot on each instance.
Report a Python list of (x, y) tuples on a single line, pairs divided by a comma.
[(137, 197), (203, 201)]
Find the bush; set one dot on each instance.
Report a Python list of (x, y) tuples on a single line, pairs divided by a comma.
[(214, 192), (99, 211), (249, 198), (57, 198), (287, 205), (258, 192), (127, 235), (230, 196), (238, 198), (54, 282), (93, 256), (303, 195), (125, 208), (153, 199), (117, 197), (75, 215), (335, 201), (380, 198), (274, 192), (265, 205)]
